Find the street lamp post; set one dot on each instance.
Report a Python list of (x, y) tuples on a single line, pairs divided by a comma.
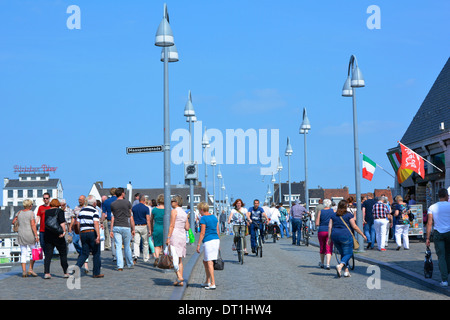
[(213, 164), (189, 113), (288, 153), (304, 128), (355, 81), (273, 185), (219, 177), (164, 39), (279, 168), (205, 144)]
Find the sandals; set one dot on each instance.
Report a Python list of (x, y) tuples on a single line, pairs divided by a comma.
[(179, 283), (338, 270)]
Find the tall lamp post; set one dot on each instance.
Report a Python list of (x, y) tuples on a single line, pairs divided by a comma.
[(164, 39), (279, 168), (288, 153), (355, 81), (219, 177), (273, 185), (189, 113), (304, 128), (213, 163), (205, 144)]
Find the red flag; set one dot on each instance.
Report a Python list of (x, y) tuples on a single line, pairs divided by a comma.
[(411, 160)]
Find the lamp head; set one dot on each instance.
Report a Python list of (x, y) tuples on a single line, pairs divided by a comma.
[(357, 78), (347, 90), (172, 54), (289, 150), (189, 108)]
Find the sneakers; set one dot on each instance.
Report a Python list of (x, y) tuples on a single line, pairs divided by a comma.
[(211, 287), (444, 284)]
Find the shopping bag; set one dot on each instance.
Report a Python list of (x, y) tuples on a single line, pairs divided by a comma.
[(191, 236), (165, 260), (37, 254), (151, 245)]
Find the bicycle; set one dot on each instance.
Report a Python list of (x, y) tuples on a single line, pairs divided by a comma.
[(273, 229), (337, 255), (259, 241), (305, 230), (240, 244)]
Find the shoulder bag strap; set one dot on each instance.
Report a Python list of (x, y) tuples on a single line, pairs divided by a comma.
[(347, 226)]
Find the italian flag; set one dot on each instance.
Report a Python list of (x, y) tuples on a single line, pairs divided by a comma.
[(368, 168)]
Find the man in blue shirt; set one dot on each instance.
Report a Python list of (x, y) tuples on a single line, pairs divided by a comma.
[(106, 207), (256, 214), (141, 216), (297, 211)]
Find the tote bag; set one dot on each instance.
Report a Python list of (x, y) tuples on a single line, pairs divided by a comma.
[(37, 253)]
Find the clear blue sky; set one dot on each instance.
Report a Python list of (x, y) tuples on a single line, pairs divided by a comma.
[(75, 99)]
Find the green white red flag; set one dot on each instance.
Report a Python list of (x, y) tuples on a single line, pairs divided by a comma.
[(368, 168)]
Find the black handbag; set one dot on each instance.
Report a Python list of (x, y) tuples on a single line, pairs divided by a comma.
[(219, 263), (52, 225)]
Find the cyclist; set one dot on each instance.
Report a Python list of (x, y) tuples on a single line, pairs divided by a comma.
[(256, 215), (238, 217), (274, 218)]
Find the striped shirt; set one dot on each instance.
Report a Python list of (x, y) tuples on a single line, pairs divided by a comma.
[(87, 216), (380, 210)]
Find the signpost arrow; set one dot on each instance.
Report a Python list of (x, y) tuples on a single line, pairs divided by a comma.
[(146, 149)]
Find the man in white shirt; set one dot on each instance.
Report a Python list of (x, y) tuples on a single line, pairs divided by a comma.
[(439, 214)]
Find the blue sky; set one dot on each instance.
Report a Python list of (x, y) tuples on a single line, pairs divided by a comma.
[(75, 99)]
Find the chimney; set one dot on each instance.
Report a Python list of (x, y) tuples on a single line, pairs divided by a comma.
[(5, 181)]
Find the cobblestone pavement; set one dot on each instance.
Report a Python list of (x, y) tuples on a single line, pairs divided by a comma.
[(285, 272), (144, 281), (291, 272)]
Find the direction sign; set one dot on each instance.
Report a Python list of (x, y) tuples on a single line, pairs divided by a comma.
[(146, 149)]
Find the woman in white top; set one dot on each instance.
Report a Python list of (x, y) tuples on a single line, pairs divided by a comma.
[(238, 217)]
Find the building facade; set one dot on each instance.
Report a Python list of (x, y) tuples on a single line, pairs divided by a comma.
[(429, 136)]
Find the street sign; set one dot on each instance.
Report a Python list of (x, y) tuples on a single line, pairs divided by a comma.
[(146, 149)]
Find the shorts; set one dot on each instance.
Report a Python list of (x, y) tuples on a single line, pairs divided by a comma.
[(211, 250)]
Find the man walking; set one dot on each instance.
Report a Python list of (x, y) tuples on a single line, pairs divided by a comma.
[(141, 216), (106, 207), (381, 214), (41, 217), (439, 214), (122, 228), (297, 211), (369, 229), (88, 218), (283, 220)]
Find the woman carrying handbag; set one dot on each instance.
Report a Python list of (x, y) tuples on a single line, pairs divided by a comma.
[(27, 236), (343, 238), (209, 236)]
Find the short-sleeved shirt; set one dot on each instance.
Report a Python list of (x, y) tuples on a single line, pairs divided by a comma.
[(140, 213), (441, 216), (283, 214), (339, 228), (256, 214), (87, 216), (368, 204), (210, 222), (121, 212), (380, 210), (106, 207), (239, 218), (297, 211), (41, 215)]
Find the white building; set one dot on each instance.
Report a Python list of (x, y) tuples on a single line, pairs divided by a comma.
[(30, 186)]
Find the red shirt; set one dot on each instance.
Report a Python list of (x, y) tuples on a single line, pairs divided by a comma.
[(41, 214)]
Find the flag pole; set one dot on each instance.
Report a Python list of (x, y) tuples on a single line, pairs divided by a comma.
[(421, 156), (381, 168)]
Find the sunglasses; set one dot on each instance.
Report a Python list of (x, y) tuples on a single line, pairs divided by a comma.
[(46, 198)]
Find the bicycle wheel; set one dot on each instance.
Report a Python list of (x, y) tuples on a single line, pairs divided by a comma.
[(337, 255), (260, 248), (351, 262), (240, 251)]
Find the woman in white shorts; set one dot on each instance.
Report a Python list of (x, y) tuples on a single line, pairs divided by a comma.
[(209, 236)]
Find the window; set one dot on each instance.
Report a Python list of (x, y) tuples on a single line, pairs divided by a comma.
[(30, 194), (10, 193), (39, 193), (197, 198), (19, 193)]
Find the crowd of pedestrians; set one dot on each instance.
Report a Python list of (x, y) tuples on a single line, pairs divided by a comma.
[(134, 230)]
